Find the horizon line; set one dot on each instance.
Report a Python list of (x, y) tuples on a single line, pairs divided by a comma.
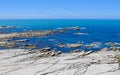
[(61, 19)]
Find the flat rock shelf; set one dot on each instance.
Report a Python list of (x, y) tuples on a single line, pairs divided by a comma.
[(26, 62)]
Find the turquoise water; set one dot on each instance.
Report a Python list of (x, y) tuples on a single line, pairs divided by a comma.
[(101, 31)]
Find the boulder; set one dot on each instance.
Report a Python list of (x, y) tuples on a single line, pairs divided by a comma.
[(46, 49), (87, 53), (59, 52), (53, 53)]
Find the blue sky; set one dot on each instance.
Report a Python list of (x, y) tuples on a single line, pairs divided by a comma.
[(59, 9)]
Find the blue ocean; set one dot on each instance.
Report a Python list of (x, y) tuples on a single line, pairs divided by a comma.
[(98, 31)]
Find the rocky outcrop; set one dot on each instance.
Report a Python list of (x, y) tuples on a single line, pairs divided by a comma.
[(74, 45), (69, 45), (37, 33), (62, 45), (6, 27), (25, 62), (46, 49), (23, 40)]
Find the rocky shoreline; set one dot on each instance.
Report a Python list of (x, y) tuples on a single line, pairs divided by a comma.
[(22, 58)]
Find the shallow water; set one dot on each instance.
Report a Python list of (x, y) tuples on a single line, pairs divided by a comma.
[(99, 31)]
